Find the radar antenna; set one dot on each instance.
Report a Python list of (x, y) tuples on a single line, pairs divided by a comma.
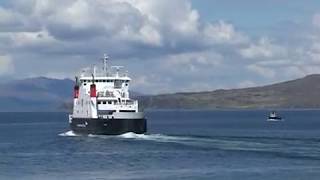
[(117, 69)]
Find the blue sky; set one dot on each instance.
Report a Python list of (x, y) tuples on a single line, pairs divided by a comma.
[(167, 46), (253, 13)]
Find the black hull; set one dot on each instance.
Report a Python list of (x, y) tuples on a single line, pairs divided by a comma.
[(275, 118), (108, 126)]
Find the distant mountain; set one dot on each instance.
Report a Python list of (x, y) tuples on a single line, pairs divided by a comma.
[(45, 94), (300, 93), (39, 94), (35, 94)]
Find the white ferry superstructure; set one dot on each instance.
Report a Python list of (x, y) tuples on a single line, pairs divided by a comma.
[(102, 104)]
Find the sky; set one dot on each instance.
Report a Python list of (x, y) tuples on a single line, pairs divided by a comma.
[(166, 45)]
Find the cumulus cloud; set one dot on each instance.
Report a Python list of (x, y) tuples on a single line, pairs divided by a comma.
[(6, 66), (193, 61), (263, 71), (169, 26), (167, 40), (263, 49), (223, 32)]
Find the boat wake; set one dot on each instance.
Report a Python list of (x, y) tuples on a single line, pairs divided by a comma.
[(154, 137), (133, 136), (289, 148), (68, 133), (296, 148)]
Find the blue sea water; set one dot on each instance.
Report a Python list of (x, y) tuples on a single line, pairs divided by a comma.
[(222, 145)]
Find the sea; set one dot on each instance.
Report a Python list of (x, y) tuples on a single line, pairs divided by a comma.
[(180, 144)]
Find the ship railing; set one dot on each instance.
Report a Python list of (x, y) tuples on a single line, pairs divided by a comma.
[(88, 72), (125, 103)]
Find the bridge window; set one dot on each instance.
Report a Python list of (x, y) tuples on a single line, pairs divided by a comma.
[(118, 84)]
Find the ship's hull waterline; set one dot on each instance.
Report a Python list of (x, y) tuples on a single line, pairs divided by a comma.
[(102, 126)]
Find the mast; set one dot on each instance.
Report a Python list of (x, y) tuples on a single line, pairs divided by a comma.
[(94, 71), (105, 59)]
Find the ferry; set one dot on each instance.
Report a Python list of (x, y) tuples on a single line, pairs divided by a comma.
[(102, 105)]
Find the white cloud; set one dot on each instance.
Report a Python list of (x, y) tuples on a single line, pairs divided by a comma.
[(167, 40), (263, 49), (35, 39), (261, 70), (223, 32), (192, 63), (314, 52), (147, 34), (246, 84), (177, 16), (168, 25), (6, 66), (206, 58)]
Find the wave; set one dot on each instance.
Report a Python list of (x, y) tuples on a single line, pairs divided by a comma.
[(290, 148)]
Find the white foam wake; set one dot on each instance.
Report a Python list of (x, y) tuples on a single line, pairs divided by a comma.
[(152, 137), (68, 133), (134, 136), (240, 144), (131, 135)]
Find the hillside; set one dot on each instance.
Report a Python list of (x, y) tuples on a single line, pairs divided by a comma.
[(300, 93), (45, 94), (35, 94)]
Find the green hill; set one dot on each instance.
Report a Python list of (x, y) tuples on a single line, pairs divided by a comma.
[(300, 93)]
